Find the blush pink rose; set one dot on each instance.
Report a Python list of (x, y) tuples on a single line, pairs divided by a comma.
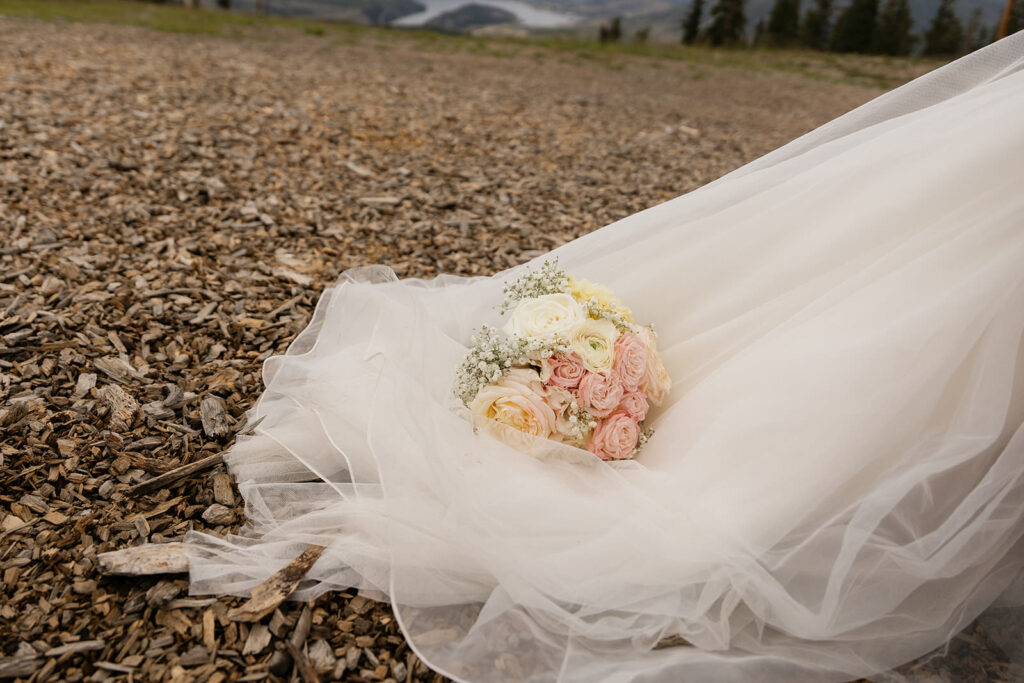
[(635, 403), (600, 394), (562, 371), (630, 361), (615, 438)]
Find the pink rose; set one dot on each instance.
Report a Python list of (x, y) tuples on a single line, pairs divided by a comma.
[(615, 438), (630, 361), (600, 394), (562, 371), (635, 403)]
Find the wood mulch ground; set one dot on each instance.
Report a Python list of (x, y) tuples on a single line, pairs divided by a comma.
[(170, 208)]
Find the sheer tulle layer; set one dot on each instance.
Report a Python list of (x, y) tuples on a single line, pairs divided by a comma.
[(835, 487)]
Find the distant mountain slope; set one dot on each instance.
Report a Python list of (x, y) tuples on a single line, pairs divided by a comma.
[(375, 12), (469, 17), (663, 17)]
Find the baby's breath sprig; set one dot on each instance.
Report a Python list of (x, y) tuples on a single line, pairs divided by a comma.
[(596, 311), (645, 436), (493, 353), (548, 279), (581, 423)]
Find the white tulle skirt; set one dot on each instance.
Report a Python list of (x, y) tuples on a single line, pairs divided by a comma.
[(835, 487)]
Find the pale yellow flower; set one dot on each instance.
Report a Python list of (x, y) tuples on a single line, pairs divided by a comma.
[(584, 290), (594, 342)]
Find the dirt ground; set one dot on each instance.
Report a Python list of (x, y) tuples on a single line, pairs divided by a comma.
[(170, 208)]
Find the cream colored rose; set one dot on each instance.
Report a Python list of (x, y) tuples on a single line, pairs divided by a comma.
[(594, 342), (550, 315), (657, 384), (513, 408)]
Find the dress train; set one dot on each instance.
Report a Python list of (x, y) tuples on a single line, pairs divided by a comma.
[(836, 485)]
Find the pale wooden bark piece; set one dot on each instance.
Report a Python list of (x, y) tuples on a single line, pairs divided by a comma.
[(144, 560), (122, 407), (272, 592), (19, 667), (214, 417), (177, 474)]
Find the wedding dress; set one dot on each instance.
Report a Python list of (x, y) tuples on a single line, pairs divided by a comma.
[(836, 483)]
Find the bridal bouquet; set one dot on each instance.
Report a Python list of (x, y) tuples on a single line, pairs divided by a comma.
[(571, 366)]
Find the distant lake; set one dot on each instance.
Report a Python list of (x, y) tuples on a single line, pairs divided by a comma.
[(527, 15)]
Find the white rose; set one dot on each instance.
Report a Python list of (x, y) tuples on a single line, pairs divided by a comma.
[(594, 342), (551, 315)]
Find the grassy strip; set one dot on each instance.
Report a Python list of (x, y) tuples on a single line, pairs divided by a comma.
[(880, 72), (171, 18)]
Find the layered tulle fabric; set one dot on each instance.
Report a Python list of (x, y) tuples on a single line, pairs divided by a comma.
[(836, 484)]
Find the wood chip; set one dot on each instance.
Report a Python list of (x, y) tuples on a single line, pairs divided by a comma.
[(214, 417), (116, 369), (162, 593), (18, 667), (381, 201), (360, 171), (302, 627), (122, 407), (55, 518), (218, 514), (222, 492), (210, 630), (80, 646), (86, 381), (320, 655), (302, 664), (259, 638), (272, 592), (176, 475)]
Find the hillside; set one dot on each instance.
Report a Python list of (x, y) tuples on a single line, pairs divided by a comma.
[(177, 189), (371, 12), (469, 17), (661, 16)]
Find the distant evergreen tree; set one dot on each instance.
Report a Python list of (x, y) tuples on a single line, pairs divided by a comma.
[(975, 35), (612, 32), (759, 30), (945, 36), (814, 32), (985, 34), (855, 27), (892, 31), (691, 25), (784, 22), (728, 20)]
